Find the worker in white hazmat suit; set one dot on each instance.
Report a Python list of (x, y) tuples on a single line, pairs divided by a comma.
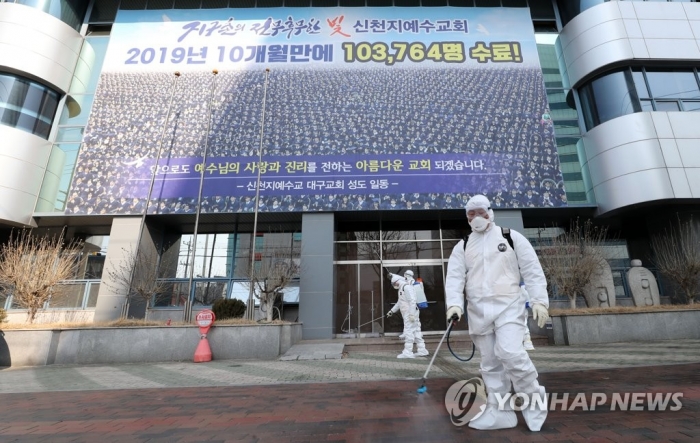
[(409, 312), (492, 270), (408, 276)]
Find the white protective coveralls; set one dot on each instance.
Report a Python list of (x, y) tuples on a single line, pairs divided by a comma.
[(409, 312), (496, 313), (408, 276)]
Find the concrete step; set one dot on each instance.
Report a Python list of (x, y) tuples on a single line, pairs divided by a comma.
[(459, 341)]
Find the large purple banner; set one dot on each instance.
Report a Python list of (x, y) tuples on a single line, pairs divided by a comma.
[(324, 109)]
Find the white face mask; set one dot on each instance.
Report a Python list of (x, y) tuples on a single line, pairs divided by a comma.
[(479, 224)]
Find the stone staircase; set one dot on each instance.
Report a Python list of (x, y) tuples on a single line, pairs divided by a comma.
[(459, 341)]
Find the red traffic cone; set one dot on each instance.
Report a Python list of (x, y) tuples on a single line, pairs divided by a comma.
[(203, 351)]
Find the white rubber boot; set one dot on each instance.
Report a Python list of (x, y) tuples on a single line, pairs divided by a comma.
[(422, 352), (407, 352), (493, 418), (536, 412)]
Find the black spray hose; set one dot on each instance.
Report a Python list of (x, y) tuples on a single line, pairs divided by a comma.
[(453, 352)]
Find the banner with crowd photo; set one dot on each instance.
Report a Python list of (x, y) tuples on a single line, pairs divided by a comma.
[(318, 109)]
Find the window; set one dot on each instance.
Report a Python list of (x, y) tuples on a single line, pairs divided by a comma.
[(639, 90), (221, 263), (27, 105), (608, 97), (671, 89)]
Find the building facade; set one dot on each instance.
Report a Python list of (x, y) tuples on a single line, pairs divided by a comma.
[(346, 134)]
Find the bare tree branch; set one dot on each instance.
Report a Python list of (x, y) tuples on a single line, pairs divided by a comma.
[(677, 256), (142, 275), (274, 269), (31, 268), (573, 258)]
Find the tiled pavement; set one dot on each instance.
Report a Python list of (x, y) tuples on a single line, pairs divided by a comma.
[(369, 397)]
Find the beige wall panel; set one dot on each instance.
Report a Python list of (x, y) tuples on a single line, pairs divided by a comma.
[(17, 207), (23, 157), (123, 238), (593, 40), (38, 44)]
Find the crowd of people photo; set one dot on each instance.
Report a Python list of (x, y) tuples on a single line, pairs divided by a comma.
[(499, 114)]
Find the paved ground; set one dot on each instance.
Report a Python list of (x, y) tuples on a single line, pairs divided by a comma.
[(364, 397)]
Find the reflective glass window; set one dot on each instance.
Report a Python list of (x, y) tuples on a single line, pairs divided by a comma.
[(411, 250), (647, 105), (54, 195), (667, 106), (94, 266), (691, 106), (673, 84), (291, 293), (212, 255), (175, 295), (357, 251), (27, 105), (3, 300), (70, 134), (448, 246), (92, 295), (448, 234), (69, 295), (608, 97), (207, 292), (393, 233), (640, 84)]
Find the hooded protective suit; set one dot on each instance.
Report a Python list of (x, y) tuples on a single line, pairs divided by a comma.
[(491, 271), (411, 322)]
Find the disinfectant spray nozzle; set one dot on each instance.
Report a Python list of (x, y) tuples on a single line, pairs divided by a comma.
[(423, 388)]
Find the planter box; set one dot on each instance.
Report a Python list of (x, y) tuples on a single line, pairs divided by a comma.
[(625, 327), (143, 344)]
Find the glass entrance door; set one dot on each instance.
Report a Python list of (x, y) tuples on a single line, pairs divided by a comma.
[(364, 295), (358, 304)]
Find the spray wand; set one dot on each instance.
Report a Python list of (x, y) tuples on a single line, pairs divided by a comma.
[(423, 388), (371, 321)]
